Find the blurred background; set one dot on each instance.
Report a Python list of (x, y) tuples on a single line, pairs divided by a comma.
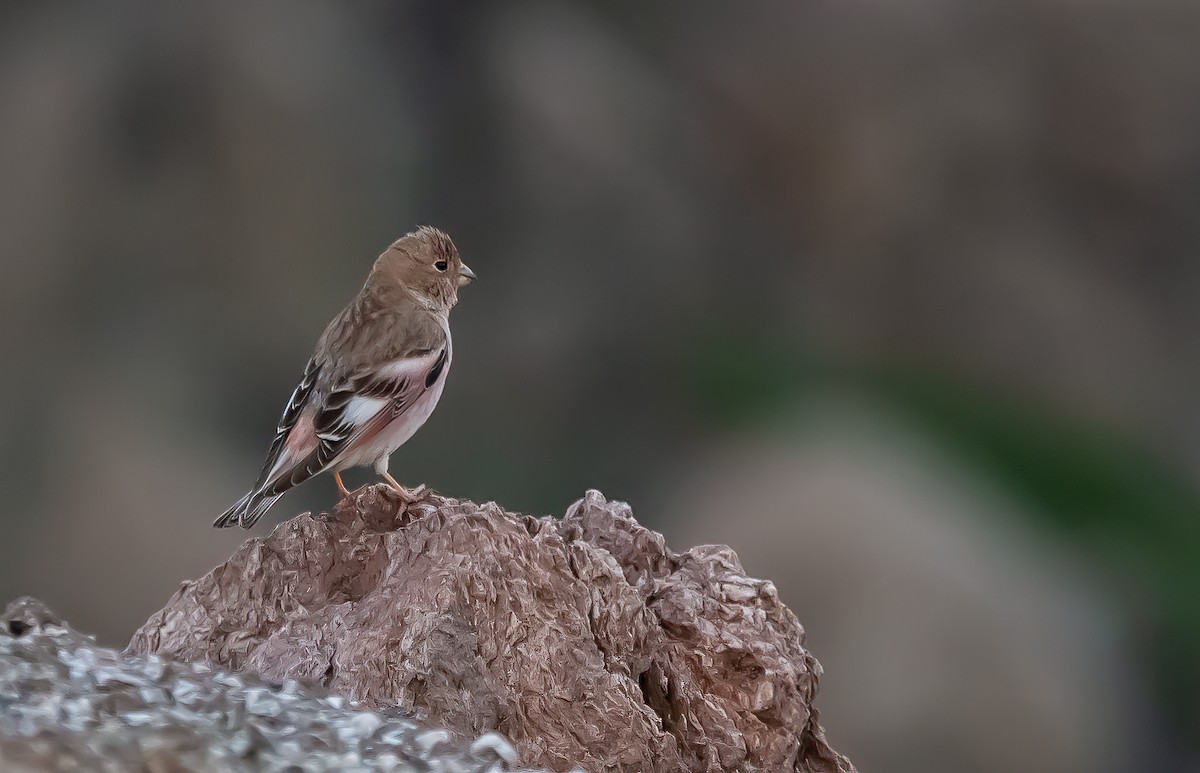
[(898, 299)]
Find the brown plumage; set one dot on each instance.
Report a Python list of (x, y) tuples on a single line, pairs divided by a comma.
[(376, 374)]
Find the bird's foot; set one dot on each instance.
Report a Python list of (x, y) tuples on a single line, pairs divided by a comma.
[(408, 496), (412, 495)]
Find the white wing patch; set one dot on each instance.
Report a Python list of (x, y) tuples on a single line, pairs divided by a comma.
[(360, 410)]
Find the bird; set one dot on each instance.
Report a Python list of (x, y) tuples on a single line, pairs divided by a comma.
[(374, 378)]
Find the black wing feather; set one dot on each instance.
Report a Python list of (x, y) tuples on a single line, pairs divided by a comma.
[(295, 406)]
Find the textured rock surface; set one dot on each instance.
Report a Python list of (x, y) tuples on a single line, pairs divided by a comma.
[(67, 704), (584, 640)]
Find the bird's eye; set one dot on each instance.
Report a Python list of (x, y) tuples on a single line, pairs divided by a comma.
[(441, 265)]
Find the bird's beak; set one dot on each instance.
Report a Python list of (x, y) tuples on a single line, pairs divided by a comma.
[(465, 275)]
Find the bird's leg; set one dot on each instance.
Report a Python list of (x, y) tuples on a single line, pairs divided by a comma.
[(337, 475)]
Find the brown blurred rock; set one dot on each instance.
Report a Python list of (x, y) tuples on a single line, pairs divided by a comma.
[(585, 641), (947, 623)]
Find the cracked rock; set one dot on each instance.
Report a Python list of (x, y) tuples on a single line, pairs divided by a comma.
[(584, 641)]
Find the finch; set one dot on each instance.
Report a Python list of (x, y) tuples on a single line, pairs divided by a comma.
[(375, 377)]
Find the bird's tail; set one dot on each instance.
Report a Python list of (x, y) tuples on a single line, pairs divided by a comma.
[(247, 510)]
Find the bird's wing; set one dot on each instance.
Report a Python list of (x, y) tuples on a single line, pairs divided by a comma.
[(302, 397), (356, 409)]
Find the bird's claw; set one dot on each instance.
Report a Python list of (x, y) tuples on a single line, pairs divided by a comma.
[(409, 496)]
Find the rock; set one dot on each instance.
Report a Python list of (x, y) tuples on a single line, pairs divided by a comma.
[(583, 640), (68, 704), (936, 589)]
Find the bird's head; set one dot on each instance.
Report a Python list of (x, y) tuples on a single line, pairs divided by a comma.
[(427, 263)]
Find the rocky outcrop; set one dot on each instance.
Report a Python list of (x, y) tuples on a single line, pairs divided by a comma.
[(69, 705), (583, 640)]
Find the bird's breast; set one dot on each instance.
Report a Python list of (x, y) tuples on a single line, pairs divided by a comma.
[(398, 432)]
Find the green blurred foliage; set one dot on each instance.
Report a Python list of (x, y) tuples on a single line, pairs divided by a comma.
[(1135, 516)]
